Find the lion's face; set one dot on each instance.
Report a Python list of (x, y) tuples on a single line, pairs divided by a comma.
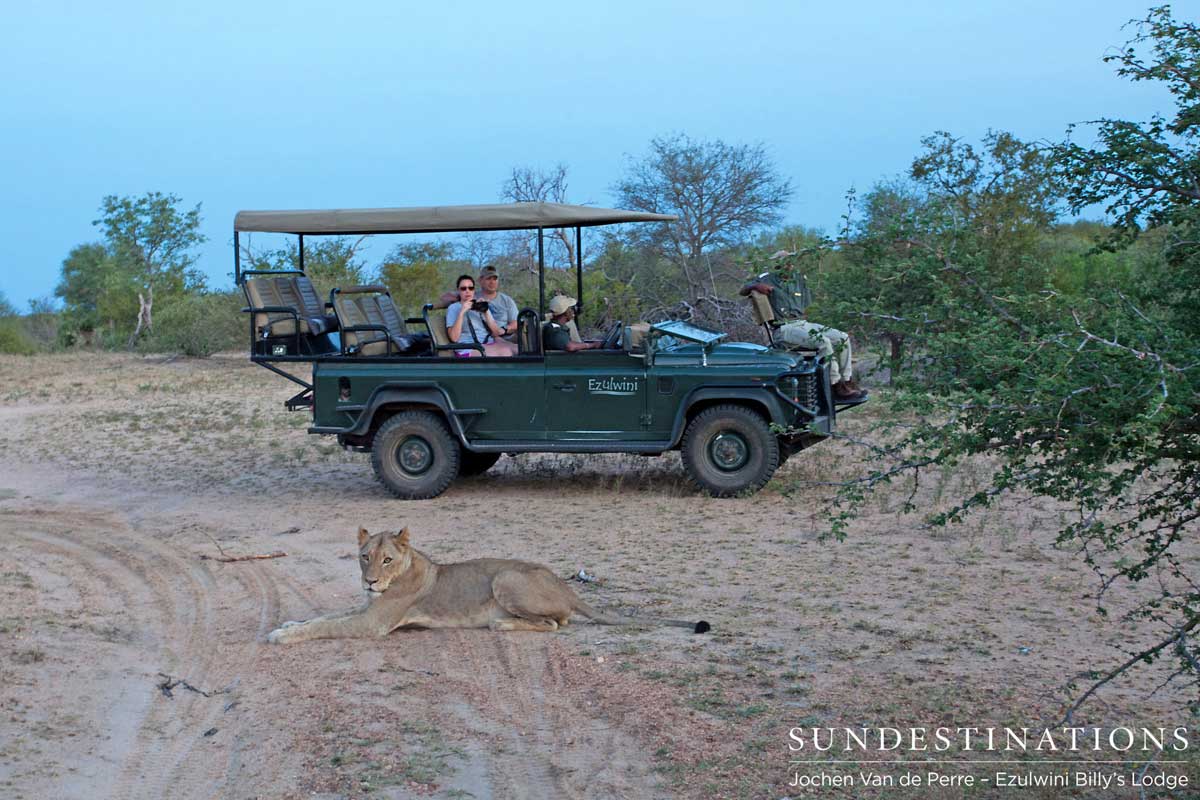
[(383, 558)]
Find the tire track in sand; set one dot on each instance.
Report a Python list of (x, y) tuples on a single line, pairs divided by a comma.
[(174, 601), (540, 736)]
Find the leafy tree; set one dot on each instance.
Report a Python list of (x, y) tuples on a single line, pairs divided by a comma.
[(152, 241), (722, 194), (85, 286), (1089, 398), (330, 261), (968, 221), (417, 273), (650, 281)]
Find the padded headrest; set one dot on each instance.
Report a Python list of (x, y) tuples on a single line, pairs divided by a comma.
[(760, 307)]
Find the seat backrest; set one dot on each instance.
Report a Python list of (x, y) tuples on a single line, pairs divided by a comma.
[(350, 314), (387, 313), (760, 308), (262, 292), (375, 342), (635, 334), (285, 285), (310, 301), (435, 320), (529, 333)]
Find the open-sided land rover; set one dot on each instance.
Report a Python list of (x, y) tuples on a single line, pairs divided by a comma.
[(393, 387)]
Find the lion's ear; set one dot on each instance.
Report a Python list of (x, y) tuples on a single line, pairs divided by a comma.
[(402, 537), (363, 535)]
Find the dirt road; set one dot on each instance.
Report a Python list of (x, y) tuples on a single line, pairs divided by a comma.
[(133, 665)]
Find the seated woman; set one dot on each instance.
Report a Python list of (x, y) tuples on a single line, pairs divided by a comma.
[(465, 324)]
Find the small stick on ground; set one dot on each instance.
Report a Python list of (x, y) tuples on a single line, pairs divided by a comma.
[(225, 558), (169, 682), (255, 557)]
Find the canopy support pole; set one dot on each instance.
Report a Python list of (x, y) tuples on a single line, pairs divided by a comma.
[(541, 279), (301, 236), (237, 261), (579, 265)]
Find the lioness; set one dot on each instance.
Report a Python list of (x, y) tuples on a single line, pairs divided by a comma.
[(405, 588)]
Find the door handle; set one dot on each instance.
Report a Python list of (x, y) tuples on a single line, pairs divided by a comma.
[(565, 387)]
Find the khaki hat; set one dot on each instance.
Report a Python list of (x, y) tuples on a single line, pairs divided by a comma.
[(560, 303), (490, 269)]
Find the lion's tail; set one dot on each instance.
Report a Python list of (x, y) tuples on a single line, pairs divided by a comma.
[(605, 618)]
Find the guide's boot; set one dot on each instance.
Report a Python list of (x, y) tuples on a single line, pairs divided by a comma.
[(845, 392)]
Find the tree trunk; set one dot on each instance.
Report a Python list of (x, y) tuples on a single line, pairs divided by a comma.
[(897, 342), (145, 319)]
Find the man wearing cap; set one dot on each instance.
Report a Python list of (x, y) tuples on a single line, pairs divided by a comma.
[(557, 333), (504, 308), (787, 290)]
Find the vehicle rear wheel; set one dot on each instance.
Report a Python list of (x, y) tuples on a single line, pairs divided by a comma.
[(728, 450), (470, 463), (414, 455)]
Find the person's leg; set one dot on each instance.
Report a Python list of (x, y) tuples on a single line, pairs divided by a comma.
[(810, 335), (500, 348), (841, 352)]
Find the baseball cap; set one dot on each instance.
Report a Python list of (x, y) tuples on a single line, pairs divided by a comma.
[(490, 269), (560, 303)]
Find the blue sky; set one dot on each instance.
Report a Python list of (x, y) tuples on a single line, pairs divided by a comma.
[(318, 105)]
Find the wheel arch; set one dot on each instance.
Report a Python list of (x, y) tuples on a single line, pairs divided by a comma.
[(759, 401), (388, 400)]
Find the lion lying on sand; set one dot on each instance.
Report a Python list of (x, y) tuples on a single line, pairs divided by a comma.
[(405, 588)]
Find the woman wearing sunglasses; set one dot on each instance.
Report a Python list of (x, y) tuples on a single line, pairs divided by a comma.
[(466, 324)]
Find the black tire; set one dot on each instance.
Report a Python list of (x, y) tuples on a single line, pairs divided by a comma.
[(728, 450), (414, 455), (471, 463)]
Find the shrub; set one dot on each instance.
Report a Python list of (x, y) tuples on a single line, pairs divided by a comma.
[(198, 325), (13, 338)]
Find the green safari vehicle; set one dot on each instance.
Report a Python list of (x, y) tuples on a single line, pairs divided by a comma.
[(394, 388)]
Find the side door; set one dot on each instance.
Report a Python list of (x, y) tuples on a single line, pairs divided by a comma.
[(596, 395), (507, 392)]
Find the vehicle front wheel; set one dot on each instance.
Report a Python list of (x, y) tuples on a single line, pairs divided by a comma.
[(728, 450), (471, 463), (414, 455)]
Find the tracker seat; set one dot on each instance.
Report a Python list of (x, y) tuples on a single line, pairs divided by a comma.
[(764, 315)]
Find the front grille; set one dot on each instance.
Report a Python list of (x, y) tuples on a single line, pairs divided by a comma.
[(808, 391)]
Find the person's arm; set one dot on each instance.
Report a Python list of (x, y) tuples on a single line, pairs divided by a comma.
[(454, 321), (490, 322), (573, 347), (512, 315), (756, 286)]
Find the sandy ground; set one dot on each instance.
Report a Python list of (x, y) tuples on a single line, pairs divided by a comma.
[(132, 665)]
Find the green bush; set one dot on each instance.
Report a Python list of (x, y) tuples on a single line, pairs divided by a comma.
[(13, 337), (198, 325)]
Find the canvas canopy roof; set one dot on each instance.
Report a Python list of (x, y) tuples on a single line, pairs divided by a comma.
[(431, 219)]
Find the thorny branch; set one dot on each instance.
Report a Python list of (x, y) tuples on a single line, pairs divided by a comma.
[(1177, 636)]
